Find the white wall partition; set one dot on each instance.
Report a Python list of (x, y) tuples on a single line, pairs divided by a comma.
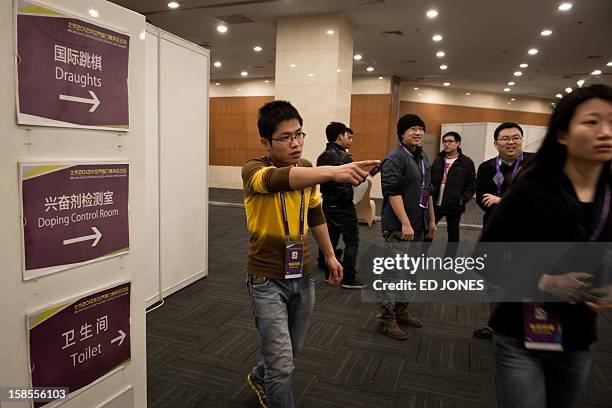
[(35, 143), (477, 138), (177, 151)]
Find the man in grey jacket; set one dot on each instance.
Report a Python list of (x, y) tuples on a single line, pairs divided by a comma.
[(407, 213)]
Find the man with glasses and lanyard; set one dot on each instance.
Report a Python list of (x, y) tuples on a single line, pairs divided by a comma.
[(407, 213), (494, 178), (281, 204)]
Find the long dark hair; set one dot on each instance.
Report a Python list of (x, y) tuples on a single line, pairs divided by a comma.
[(551, 156)]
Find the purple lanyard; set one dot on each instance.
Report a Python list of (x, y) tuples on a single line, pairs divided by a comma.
[(420, 164), (604, 215), (284, 208), (498, 181)]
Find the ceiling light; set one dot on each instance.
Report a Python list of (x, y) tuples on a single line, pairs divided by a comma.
[(420, 94), (239, 89), (609, 64), (506, 89), (532, 51), (173, 5), (244, 73), (580, 83), (257, 48), (509, 103), (437, 38), (568, 90), (447, 84), (523, 65), (380, 78), (468, 93), (93, 12), (596, 72), (310, 75), (546, 33), (338, 70), (443, 67), (266, 81), (518, 73), (370, 69), (565, 6), (222, 28), (357, 57), (416, 88), (559, 96), (293, 65), (217, 64), (440, 54), (217, 83), (511, 83), (512, 99), (433, 13), (330, 32)]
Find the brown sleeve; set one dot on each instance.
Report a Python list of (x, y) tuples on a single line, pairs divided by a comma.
[(277, 179), (259, 177), (315, 216)]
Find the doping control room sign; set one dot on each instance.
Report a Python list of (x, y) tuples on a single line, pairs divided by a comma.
[(72, 214), (75, 343), (70, 72)]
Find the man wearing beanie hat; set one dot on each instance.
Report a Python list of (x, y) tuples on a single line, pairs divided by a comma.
[(407, 212)]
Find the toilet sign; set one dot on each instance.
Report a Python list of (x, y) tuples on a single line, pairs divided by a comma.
[(72, 214), (77, 342), (70, 72)]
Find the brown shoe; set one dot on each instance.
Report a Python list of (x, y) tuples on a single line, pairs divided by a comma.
[(391, 329), (406, 319)]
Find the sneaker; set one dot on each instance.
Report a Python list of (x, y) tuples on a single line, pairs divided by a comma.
[(391, 329), (484, 333), (406, 319), (258, 390), (353, 284)]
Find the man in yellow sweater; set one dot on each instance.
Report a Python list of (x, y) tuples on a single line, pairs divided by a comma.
[(282, 203)]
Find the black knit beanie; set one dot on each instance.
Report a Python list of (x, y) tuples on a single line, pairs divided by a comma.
[(406, 122)]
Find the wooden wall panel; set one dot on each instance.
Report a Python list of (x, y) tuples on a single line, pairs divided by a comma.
[(233, 129), (435, 114), (370, 121)]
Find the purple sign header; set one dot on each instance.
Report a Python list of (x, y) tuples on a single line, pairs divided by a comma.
[(75, 343), (73, 214), (71, 73)]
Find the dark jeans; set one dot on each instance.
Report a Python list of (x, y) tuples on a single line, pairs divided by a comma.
[(452, 223), (538, 379), (343, 223)]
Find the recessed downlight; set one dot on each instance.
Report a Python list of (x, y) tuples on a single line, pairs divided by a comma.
[(580, 83), (565, 6), (568, 90), (513, 99), (440, 54), (446, 84), (559, 96), (518, 73), (523, 65), (311, 75), (222, 28), (546, 33), (433, 13), (532, 51), (244, 73), (437, 38), (357, 57), (292, 65), (468, 93), (380, 77), (173, 5), (511, 83), (416, 88), (267, 81), (330, 32), (217, 83), (217, 64), (93, 12), (596, 72), (443, 67), (257, 48), (370, 69), (506, 89), (609, 64)]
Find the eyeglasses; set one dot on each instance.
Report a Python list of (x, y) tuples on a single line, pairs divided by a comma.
[(416, 129), (288, 138), (448, 141), (506, 139)]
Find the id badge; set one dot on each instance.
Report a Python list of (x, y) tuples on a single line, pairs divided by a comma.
[(424, 197), (542, 328), (294, 259)]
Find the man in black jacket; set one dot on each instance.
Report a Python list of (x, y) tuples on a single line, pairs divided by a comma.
[(453, 177), (338, 207), (494, 178)]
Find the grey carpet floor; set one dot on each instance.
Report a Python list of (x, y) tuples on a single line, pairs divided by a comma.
[(202, 342)]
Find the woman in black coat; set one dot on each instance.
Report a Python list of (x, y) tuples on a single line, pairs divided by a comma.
[(563, 196)]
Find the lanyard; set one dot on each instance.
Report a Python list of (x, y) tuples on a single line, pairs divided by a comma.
[(284, 208), (420, 164), (604, 215), (498, 181)]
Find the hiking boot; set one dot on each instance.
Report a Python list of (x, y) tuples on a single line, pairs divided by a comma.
[(391, 329), (484, 333), (406, 319), (259, 390), (353, 284)]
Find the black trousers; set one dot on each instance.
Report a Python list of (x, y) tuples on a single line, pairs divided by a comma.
[(343, 222), (452, 222)]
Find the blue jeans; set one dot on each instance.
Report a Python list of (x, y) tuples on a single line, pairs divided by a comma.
[(282, 311), (538, 379)]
